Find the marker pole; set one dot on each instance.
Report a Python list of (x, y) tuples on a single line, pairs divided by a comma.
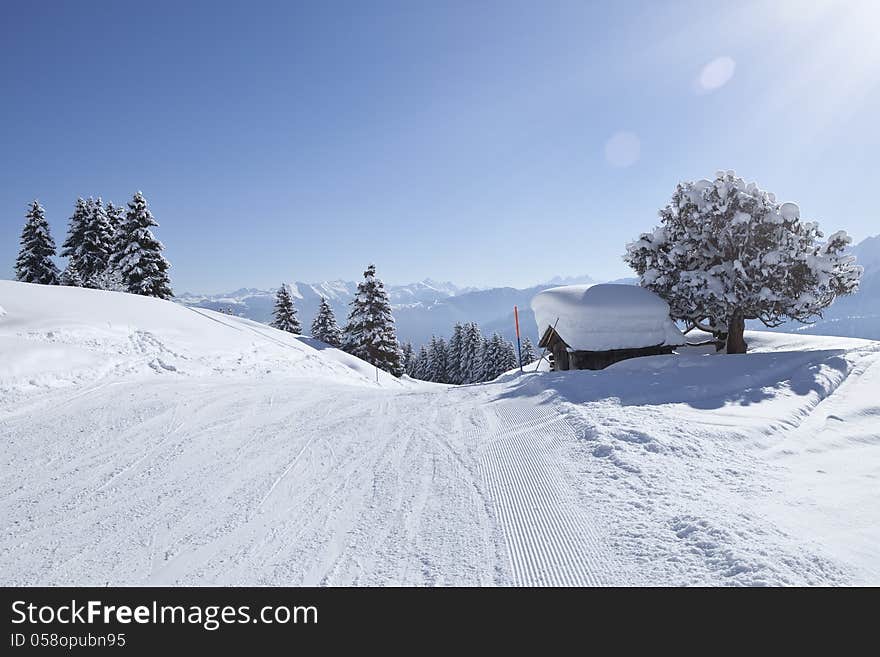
[(518, 346)]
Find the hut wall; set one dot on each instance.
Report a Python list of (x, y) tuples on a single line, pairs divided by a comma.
[(597, 360)]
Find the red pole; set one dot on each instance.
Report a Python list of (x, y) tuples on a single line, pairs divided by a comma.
[(518, 347)]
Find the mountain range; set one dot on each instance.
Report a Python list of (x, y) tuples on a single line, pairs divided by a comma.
[(431, 307)]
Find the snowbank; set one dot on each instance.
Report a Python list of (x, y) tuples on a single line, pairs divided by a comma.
[(606, 316), (53, 335)]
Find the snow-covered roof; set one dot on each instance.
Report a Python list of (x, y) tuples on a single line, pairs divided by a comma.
[(606, 316)]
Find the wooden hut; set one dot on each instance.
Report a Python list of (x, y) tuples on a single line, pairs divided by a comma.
[(589, 327)]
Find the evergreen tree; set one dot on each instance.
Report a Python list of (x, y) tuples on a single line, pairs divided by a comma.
[(71, 276), (284, 313), (470, 367), (97, 244), (72, 248), (116, 217), (437, 361), (420, 369), (489, 358), (144, 269), (370, 332), (407, 358), (324, 327), (453, 356), (508, 353), (528, 352), (34, 263)]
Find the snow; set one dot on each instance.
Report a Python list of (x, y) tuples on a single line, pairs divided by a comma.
[(257, 457), (53, 336), (606, 316)]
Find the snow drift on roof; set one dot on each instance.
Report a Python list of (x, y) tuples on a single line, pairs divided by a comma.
[(606, 316)]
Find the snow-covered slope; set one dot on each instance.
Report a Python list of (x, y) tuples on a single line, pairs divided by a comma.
[(51, 336), (262, 459)]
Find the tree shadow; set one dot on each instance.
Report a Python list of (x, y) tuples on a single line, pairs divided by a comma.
[(700, 381)]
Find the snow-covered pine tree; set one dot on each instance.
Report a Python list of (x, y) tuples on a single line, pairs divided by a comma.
[(528, 352), (116, 217), (73, 244), (144, 269), (407, 358), (284, 314), (470, 365), (489, 357), (324, 327), (437, 361), (420, 369), (453, 355), (508, 356), (97, 244), (370, 332), (71, 276), (34, 263)]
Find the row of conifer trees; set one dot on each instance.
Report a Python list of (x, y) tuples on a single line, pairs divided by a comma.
[(107, 247), (369, 333), (467, 357)]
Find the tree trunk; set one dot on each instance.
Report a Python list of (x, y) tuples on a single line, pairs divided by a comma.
[(736, 343)]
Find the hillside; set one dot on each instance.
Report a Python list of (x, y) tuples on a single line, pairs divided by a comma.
[(146, 443)]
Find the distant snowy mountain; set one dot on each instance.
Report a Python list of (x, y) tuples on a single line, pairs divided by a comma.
[(421, 309), (431, 308)]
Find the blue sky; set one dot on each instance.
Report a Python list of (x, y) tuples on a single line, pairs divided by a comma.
[(487, 143)]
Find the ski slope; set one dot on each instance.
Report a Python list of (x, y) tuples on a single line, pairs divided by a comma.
[(144, 442)]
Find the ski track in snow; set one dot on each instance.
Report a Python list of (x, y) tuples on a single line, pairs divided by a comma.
[(551, 540)]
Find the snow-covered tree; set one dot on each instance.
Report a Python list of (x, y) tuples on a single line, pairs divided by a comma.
[(324, 327), (72, 248), (453, 355), (725, 252), (116, 217), (144, 269), (508, 355), (470, 364), (407, 358), (34, 263), (527, 351), (370, 333), (71, 276), (437, 361), (420, 368), (98, 244), (109, 279), (284, 314)]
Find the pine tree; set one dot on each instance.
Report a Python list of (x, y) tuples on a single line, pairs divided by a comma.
[(370, 333), (144, 269), (407, 358), (437, 361), (508, 352), (470, 365), (34, 263), (97, 244), (453, 359), (72, 248), (489, 358), (420, 368), (284, 313), (324, 327), (528, 352), (116, 217)]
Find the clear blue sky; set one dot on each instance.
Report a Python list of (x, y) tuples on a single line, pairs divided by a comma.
[(487, 143)]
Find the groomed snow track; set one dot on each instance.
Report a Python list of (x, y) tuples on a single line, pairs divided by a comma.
[(550, 538)]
